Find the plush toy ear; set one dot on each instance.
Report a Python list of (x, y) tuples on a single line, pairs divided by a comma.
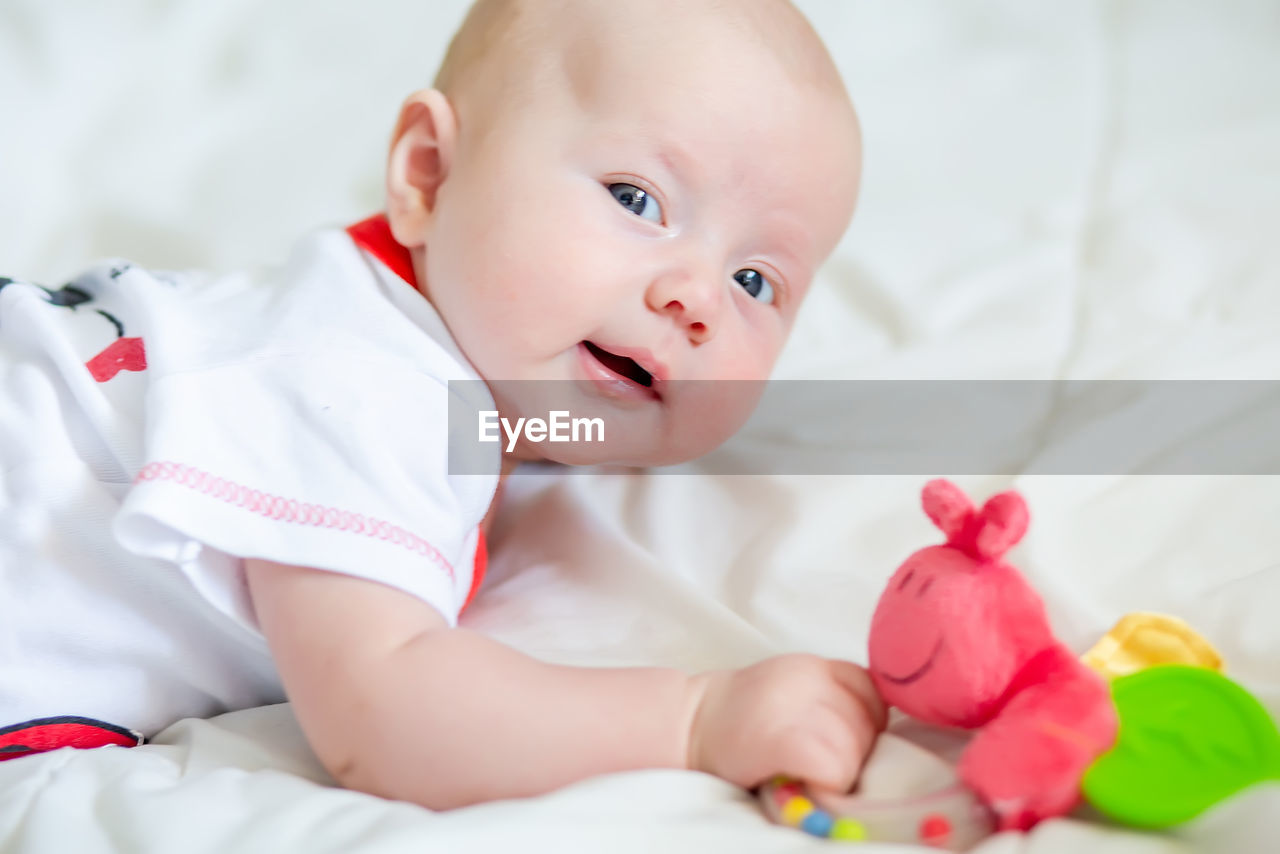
[(1002, 522), (948, 507)]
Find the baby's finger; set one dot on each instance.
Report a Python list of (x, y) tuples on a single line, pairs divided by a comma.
[(816, 754), (857, 728), (857, 681)]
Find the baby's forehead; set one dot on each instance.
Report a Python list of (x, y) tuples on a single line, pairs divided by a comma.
[(712, 79)]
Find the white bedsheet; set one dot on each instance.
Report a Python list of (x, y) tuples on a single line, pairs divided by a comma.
[(1063, 189)]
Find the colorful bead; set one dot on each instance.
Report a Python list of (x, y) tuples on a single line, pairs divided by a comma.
[(848, 830), (935, 830), (786, 792), (817, 823), (795, 810)]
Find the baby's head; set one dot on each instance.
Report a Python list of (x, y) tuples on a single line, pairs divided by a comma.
[(626, 200)]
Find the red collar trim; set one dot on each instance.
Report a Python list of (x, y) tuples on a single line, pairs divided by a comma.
[(374, 236)]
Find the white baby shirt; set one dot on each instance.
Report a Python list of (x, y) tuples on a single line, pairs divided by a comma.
[(157, 428)]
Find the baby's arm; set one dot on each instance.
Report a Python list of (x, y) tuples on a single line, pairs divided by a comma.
[(396, 703)]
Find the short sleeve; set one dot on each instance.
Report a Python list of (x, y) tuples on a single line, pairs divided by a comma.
[(325, 459)]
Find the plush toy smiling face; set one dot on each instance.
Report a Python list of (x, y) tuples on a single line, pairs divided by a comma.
[(947, 638), (955, 624)]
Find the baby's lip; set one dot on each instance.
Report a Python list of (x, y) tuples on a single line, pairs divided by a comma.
[(642, 357), (614, 372)]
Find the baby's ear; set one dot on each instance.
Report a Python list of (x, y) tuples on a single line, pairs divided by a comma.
[(421, 153)]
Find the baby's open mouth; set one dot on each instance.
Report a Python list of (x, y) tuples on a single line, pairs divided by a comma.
[(621, 365)]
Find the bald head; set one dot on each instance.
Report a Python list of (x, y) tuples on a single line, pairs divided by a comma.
[(507, 48)]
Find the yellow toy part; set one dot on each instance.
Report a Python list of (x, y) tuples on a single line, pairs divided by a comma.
[(1142, 639)]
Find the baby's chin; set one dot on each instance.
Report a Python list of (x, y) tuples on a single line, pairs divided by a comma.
[(635, 451), (575, 424)]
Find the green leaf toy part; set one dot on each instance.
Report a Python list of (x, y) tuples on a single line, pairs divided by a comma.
[(1189, 738)]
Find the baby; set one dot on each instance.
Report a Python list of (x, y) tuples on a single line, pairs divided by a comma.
[(216, 492)]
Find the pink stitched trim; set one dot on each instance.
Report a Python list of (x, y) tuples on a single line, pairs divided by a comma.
[(289, 510)]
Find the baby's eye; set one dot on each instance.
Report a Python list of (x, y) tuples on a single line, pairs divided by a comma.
[(755, 284), (637, 201)]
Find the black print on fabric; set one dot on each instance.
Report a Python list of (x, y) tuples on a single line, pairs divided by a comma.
[(122, 354)]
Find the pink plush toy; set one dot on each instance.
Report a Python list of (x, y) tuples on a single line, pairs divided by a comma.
[(960, 639)]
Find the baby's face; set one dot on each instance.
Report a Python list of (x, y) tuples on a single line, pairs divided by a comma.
[(640, 247)]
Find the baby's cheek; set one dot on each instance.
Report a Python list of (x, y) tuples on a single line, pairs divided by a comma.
[(747, 369), (752, 351), (711, 411)]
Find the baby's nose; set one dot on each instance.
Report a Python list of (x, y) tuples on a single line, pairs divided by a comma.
[(692, 301)]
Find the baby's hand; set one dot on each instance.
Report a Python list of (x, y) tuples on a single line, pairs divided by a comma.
[(799, 715)]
